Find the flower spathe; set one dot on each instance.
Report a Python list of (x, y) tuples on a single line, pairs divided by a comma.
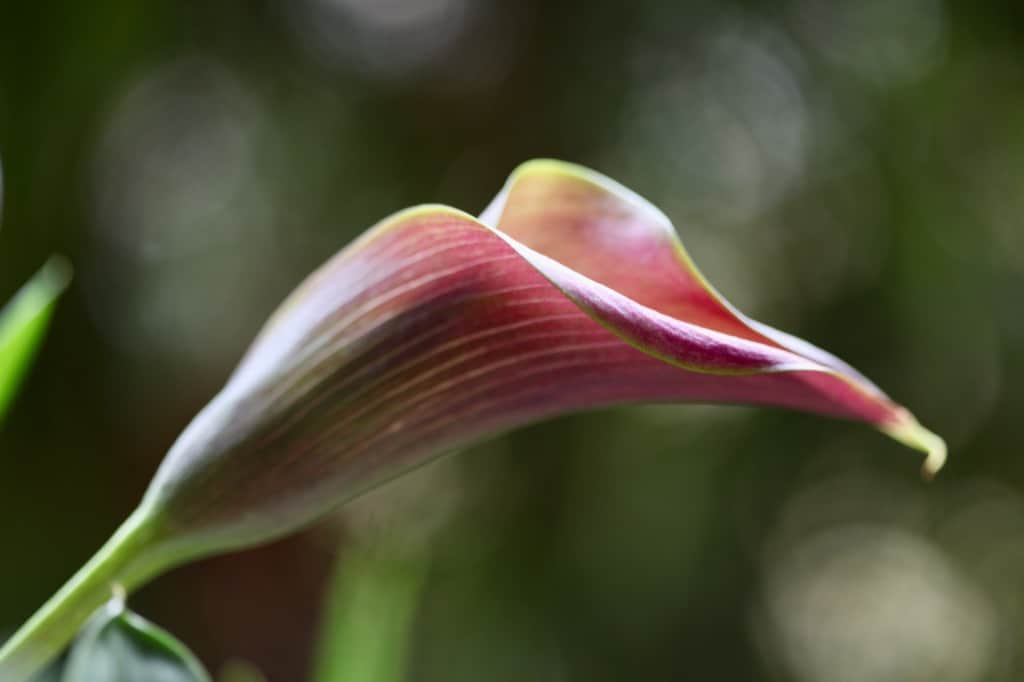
[(435, 329)]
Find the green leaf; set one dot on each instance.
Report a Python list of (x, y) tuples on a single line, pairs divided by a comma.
[(23, 322), (117, 645), (52, 672)]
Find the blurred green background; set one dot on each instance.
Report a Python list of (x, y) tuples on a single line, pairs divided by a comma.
[(852, 172)]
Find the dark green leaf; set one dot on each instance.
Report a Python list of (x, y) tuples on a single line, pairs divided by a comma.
[(120, 646)]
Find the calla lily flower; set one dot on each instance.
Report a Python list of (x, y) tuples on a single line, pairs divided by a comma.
[(435, 329)]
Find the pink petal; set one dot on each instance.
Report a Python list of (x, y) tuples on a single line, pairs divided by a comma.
[(603, 230), (433, 330)]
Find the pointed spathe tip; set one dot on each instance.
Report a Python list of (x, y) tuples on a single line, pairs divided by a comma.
[(909, 431)]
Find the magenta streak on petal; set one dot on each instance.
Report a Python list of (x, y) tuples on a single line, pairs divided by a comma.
[(486, 401)]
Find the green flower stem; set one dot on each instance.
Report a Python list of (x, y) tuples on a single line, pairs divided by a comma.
[(371, 606), (126, 561)]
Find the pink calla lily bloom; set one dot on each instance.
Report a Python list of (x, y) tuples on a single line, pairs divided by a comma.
[(435, 329)]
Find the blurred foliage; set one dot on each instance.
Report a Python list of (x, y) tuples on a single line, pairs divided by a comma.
[(23, 322), (850, 172), (368, 613), (117, 645)]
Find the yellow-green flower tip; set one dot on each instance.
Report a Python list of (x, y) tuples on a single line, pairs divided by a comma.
[(908, 430)]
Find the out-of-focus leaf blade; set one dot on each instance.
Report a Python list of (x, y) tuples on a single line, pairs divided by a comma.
[(120, 646), (370, 609), (23, 322)]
